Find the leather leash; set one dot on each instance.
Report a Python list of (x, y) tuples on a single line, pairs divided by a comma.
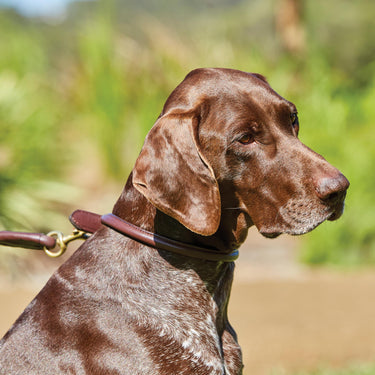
[(88, 222)]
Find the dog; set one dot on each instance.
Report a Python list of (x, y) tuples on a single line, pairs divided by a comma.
[(223, 155)]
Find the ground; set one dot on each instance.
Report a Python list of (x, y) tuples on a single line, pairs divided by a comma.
[(287, 316)]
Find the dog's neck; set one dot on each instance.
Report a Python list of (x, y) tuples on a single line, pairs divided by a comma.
[(133, 207)]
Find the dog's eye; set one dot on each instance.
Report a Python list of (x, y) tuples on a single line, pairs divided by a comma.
[(294, 119), (246, 139)]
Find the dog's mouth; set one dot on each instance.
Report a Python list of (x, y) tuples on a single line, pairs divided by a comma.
[(270, 234), (291, 230), (338, 210), (298, 217)]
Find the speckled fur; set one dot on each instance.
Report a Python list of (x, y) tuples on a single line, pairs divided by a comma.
[(223, 155)]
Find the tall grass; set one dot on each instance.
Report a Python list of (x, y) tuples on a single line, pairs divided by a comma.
[(30, 142)]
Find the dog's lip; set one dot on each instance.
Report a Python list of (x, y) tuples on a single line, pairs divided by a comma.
[(326, 213), (335, 215), (276, 232), (269, 234)]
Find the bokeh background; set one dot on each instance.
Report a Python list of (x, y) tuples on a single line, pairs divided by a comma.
[(82, 82)]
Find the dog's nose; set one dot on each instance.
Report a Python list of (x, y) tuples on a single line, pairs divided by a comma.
[(332, 188)]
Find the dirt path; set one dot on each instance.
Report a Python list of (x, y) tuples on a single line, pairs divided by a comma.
[(301, 324), (285, 316)]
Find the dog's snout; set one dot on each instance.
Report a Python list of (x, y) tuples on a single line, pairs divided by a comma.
[(332, 188)]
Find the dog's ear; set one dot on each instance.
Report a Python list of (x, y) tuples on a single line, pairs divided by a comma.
[(174, 176)]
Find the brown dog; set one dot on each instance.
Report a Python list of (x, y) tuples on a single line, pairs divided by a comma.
[(222, 156)]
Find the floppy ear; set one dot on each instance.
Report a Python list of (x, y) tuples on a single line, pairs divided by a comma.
[(173, 175)]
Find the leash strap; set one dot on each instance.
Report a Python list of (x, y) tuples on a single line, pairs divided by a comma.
[(35, 241), (54, 243), (88, 222)]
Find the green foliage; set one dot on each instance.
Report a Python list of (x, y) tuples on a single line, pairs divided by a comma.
[(29, 113), (86, 92), (338, 124)]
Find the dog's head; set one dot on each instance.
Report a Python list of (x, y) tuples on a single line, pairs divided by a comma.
[(226, 140)]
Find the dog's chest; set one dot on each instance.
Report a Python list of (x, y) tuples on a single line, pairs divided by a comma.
[(176, 322), (139, 316)]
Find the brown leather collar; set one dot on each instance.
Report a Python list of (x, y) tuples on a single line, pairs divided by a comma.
[(163, 243), (88, 222)]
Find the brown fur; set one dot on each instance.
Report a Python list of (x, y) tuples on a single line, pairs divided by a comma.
[(223, 155)]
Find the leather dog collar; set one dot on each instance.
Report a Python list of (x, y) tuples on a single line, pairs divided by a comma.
[(88, 222), (163, 243)]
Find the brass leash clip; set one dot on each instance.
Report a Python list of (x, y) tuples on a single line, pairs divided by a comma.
[(62, 241)]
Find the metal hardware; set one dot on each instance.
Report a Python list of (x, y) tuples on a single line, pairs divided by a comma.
[(62, 241)]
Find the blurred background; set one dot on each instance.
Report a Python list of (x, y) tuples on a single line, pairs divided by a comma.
[(82, 82)]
